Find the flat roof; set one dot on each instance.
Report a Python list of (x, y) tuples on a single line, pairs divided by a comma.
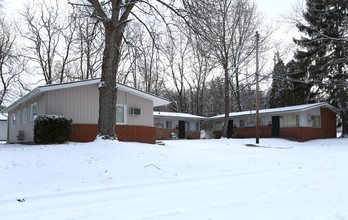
[(288, 109), (157, 101)]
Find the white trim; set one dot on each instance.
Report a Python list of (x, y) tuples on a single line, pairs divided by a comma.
[(124, 114)]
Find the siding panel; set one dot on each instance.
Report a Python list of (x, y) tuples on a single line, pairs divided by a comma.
[(27, 128)]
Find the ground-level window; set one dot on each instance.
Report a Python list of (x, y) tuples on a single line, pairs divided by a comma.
[(121, 114), (316, 121), (218, 126), (241, 123), (193, 126), (33, 111), (168, 124), (13, 119), (25, 115)]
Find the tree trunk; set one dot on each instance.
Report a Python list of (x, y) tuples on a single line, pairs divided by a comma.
[(107, 86)]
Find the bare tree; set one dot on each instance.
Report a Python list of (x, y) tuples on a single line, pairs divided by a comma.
[(216, 23), (10, 65), (176, 52), (202, 66), (89, 45), (50, 35)]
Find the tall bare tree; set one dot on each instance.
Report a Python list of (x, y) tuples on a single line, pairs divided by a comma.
[(10, 63), (50, 34), (114, 15), (216, 23)]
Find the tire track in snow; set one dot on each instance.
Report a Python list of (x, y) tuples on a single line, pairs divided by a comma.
[(147, 200)]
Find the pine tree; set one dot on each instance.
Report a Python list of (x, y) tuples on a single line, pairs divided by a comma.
[(324, 51), (279, 89)]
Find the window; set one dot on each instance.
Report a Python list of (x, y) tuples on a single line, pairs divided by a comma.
[(121, 114), (218, 126), (25, 115), (158, 123), (241, 123), (168, 124), (13, 118), (289, 121), (33, 111), (193, 126), (297, 121), (20, 117), (316, 121)]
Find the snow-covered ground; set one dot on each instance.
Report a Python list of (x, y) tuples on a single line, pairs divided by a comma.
[(185, 179)]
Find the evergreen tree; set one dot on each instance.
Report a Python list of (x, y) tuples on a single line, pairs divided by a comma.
[(323, 56), (279, 90)]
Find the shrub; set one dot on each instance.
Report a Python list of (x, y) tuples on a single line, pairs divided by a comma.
[(49, 129)]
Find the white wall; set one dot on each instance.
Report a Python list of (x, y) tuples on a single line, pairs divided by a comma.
[(28, 127), (265, 119), (3, 130)]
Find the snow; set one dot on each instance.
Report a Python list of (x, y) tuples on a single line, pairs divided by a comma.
[(281, 109), (3, 116), (177, 115), (185, 179), (101, 84)]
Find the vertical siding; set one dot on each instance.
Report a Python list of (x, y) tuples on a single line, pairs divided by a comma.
[(146, 108), (82, 105), (27, 128), (79, 103), (3, 130)]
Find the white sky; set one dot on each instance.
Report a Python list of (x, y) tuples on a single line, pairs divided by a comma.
[(271, 9)]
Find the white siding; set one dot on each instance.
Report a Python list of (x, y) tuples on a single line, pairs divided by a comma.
[(3, 130), (160, 122), (27, 128), (82, 105), (265, 119)]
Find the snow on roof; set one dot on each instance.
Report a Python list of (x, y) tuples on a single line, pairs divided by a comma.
[(177, 115), (157, 101), (294, 108), (3, 117)]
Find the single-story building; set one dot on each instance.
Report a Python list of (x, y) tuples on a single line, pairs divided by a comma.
[(300, 122), (3, 127), (80, 102), (183, 125)]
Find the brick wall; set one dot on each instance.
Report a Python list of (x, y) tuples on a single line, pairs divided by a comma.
[(327, 130), (88, 133), (166, 134)]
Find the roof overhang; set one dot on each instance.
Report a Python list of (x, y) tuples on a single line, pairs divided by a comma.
[(177, 115), (284, 110), (157, 101)]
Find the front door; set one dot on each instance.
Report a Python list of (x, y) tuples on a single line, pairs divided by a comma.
[(230, 129), (275, 126), (181, 129)]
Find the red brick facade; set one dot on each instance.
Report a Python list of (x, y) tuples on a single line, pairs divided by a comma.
[(166, 134), (88, 133), (327, 130)]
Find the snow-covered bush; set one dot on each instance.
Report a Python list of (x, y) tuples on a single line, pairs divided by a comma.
[(50, 129), (206, 134)]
